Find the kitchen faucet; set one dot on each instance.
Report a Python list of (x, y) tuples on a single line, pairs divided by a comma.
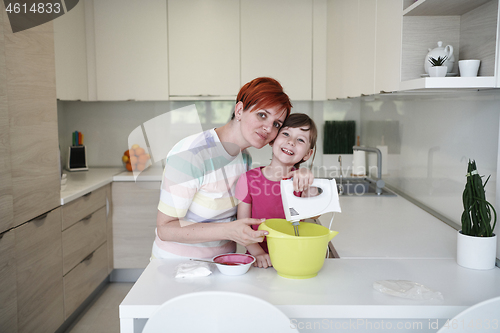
[(380, 183)]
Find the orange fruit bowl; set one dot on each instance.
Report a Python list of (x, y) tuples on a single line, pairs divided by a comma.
[(136, 159)]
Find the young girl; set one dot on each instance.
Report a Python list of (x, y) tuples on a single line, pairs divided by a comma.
[(259, 189)]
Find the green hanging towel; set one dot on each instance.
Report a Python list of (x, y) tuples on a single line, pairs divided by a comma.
[(339, 137)]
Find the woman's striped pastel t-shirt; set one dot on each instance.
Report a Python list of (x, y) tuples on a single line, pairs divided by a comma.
[(198, 186)]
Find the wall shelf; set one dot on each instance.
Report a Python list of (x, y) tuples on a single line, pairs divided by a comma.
[(480, 82), (442, 7), (471, 27)]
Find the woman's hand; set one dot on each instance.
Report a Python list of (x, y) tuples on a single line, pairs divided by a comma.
[(241, 231), (172, 229), (302, 179)]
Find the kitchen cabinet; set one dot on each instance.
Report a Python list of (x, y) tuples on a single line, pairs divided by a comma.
[(156, 50), (83, 238), (38, 273), (81, 281), (109, 227), (471, 27), (70, 44), (351, 46), (6, 199), (131, 50), (204, 53), (84, 247), (135, 206), (276, 41), (31, 252), (388, 45), (79, 209), (363, 47), (341, 54), (32, 134), (8, 292)]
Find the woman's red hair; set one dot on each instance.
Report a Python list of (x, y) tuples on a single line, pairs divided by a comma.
[(263, 93)]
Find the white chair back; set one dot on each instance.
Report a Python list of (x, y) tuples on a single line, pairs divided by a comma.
[(218, 312), (481, 317)]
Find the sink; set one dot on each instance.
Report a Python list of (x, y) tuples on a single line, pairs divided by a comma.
[(360, 187)]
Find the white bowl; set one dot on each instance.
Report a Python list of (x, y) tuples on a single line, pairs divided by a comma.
[(239, 263)]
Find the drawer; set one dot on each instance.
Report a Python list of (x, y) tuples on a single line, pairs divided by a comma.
[(82, 238), (82, 207), (40, 305), (84, 279)]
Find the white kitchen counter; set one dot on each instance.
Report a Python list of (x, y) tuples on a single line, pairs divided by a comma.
[(148, 175), (389, 227), (342, 289), (79, 183)]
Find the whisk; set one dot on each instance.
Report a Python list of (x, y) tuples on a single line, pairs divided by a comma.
[(296, 227)]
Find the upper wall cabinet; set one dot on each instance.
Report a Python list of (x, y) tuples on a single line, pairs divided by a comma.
[(388, 45), (342, 50), (204, 48), (276, 41), (159, 50), (471, 27), (363, 47), (131, 51), (70, 45)]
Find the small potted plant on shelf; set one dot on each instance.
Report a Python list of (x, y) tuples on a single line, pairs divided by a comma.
[(476, 242), (438, 68)]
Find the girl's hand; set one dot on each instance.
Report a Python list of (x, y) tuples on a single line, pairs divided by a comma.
[(241, 231), (262, 261), (302, 179)]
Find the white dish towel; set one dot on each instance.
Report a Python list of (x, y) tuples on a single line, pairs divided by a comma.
[(192, 270)]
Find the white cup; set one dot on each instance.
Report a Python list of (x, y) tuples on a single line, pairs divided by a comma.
[(468, 68)]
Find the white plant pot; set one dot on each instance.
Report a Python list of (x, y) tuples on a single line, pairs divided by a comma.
[(476, 252), (438, 71)]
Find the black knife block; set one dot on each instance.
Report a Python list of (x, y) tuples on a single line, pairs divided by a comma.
[(77, 158)]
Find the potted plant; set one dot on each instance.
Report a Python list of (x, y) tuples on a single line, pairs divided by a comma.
[(476, 242), (438, 68)]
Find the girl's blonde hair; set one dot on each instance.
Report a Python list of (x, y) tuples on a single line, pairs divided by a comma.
[(296, 120)]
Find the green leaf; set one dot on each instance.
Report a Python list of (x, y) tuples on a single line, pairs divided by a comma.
[(437, 62)]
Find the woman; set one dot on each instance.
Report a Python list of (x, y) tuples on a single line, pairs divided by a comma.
[(196, 213)]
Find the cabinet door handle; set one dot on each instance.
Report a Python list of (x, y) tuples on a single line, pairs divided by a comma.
[(88, 257), (41, 217), (88, 194), (87, 217)]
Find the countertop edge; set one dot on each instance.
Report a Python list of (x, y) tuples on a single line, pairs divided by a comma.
[(90, 188), (82, 182)]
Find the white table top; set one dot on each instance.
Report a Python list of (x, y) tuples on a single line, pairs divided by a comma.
[(342, 289), (389, 227), (79, 183)]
